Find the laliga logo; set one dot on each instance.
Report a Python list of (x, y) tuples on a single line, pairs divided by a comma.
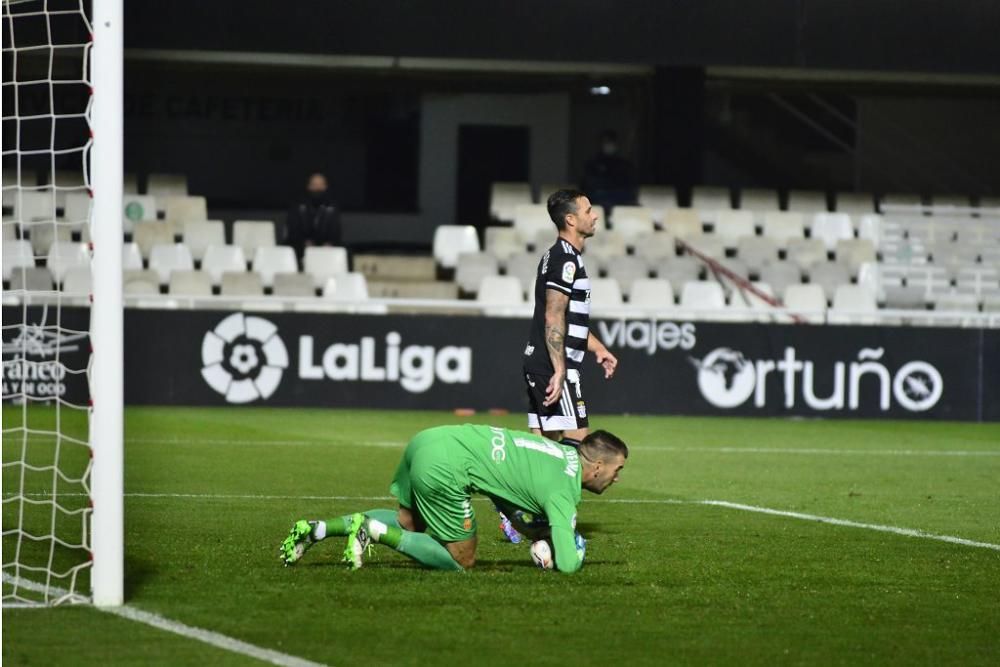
[(243, 358), (727, 380)]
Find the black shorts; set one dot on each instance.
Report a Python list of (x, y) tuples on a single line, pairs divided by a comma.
[(567, 414)]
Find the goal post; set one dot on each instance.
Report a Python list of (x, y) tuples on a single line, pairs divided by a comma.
[(62, 401), (106, 318)]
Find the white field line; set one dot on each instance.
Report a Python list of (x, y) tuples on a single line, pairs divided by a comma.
[(896, 530), (216, 639), (399, 444)]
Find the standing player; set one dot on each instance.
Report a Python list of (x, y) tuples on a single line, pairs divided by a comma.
[(442, 467), (560, 336)]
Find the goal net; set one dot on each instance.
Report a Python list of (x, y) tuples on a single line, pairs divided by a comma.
[(49, 267)]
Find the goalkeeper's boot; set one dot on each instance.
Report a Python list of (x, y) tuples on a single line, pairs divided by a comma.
[(299, 539), (508, 530), (358, 541)]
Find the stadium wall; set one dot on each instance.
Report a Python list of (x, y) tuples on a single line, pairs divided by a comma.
[(437, 362)]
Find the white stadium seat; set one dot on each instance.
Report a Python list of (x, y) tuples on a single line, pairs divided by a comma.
[(31, 278), (200, 234), (137, 208), (131, 257), (730, 226), (806, 301), (759, 199), (450, 241), (276, 259), (756, 252), (472, 267), (167, 258), (678, 270), (627, 270), (605, 292), (241, 283), (829, 276), (710, 199), (77, 281), (222, 259), (652, 293), (807, 201), (190, 283), (503, 243), (325, 262), (657, 198), (297, 285), (530, 219), (601, 249), (524, 267), (782, 226), (806, 252), (682, 222), (831, 228), (44, 234), (149, 234), (780, 276), (184, 208), (500, 291), (855, 204), (346, 287), (162, 185), (65, 255), (850, 305), (632, 221), (252, 234), (504, 197), (656, 246), (701, 296)]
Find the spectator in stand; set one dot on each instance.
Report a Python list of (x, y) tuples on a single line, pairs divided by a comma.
[(608, 178), (315, 220)]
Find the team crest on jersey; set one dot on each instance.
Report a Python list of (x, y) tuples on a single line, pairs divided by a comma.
[(568, 272), (581, 409)]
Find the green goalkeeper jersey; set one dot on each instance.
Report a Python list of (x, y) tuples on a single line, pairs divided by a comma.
[(525, 470)]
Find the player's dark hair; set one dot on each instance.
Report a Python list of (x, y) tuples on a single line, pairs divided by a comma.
[(561, 203), (601, 444)]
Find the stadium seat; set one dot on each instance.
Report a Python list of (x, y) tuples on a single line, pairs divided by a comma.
[(182, 209), (64, 182), (709, 199), (503, 243), (829, 276), (472, 267), (130, 184), (978, 280), (905, 298), (761, 309), (241, 283), (346, 287), (855, 252), (850, 305), (166, 258), (830, 228), (190, 283), (655, 246), (782, 227), (77, 208), (682, 222), (632, 221), (702, 296), (149, 234), (806, 301), (530, 219), (780, 276), (991, 304), (524, 267), (855, 204), (163, 185), (943, 202), (904, 252), (870, 229), (806, 201), (32, 205), (953, 256), (956, 302), (31, 278), (63, 256), (199, 234), (708, 245), (730, 226), (679, 270), (296, 285), (252, 234), (546, 189), (759, 199), (605, 293), (450, 241), (652, 293), (504, 197), (131, 257), (626, 270), (44, 234), (137, 208), (601, 249), (657, 198), (221, 259), (500, 290), (756, 252), (806, 252), (276, 259), (77, 281), (899, 199), (736, 266), (140, 282), (325, 262)]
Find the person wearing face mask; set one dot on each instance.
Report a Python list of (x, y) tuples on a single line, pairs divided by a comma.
[(608, 178), (314, 220)]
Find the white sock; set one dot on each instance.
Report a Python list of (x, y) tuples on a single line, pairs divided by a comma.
[(319, 531)]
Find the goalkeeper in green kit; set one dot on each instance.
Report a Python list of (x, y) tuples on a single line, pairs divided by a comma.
[(442, 467)]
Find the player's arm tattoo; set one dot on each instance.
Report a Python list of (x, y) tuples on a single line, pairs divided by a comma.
[(555, 325)]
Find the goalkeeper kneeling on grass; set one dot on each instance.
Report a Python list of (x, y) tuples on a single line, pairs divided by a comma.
[(442, 467)]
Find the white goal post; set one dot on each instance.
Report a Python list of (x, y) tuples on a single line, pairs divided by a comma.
[(63, 422)]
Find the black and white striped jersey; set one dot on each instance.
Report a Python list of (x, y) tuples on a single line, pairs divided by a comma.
[(561, 268)]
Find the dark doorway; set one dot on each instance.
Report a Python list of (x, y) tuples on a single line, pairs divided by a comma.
[(487, 154)]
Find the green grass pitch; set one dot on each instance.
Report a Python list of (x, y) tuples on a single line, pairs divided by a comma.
[(211, 492)]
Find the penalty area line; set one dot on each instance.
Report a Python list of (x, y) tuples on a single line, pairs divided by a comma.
[(215, 639)]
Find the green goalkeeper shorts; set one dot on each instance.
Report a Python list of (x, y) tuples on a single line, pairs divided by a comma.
[(428, 481)]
